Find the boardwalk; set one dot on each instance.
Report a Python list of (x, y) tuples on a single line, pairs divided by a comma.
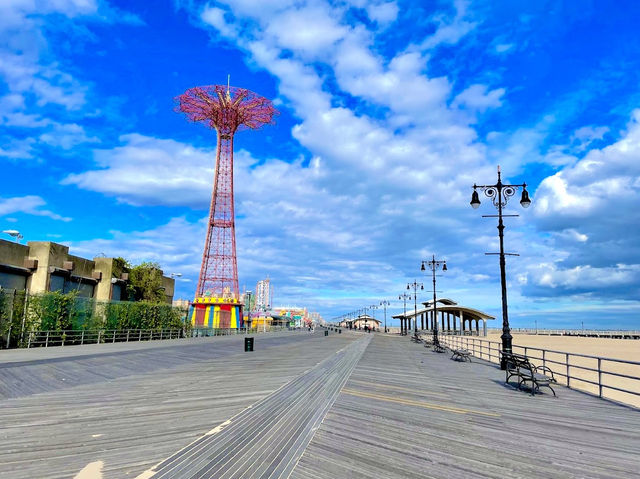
[(348, 405)]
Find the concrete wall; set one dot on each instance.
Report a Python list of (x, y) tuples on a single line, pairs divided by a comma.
[(169, 285), (13, 253)]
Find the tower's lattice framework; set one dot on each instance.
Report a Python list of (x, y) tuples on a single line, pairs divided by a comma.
[(227, 110)]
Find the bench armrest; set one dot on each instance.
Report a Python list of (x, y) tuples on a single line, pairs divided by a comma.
[(545, 369)]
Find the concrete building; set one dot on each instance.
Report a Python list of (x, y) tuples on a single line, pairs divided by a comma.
[(41, 266), (364, 321), (263, 295)]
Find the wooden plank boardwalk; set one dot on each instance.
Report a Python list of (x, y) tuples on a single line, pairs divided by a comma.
[(409, 412), (301, 406)]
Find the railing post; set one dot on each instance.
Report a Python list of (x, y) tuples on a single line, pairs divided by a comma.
[(127, 335), (46, 343), (82, 338), (113, 340), (544, 357), (567, 361), (600, 377), (151, 335), (29, 341), (139, 335), (161, 333)]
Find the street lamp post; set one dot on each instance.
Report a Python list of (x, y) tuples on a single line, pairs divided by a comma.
[(500, 194), (14, 234), (384, 303), (434, 264), (403, 329), (373, 313), (248, 295), (415, 285)]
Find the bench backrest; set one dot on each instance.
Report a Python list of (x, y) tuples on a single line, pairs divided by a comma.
[(519, 364)]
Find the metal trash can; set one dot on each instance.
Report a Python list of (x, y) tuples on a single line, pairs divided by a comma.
[(326, 333), (339, 331), (248, 345)]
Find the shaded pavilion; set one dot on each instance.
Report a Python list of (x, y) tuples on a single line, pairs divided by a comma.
[(452, 318)]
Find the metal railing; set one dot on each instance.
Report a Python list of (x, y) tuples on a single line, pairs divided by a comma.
[(200, 332), (605, 377), (589, 333), (100, 336), (97, 336)]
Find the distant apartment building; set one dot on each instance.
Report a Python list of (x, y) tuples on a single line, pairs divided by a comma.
[(263, 295), (41, 266)]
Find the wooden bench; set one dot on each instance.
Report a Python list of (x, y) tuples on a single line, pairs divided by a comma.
[(461, 355), (438, 348), (536, 376)]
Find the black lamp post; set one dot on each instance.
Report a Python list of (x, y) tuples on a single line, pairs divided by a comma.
[(373, 313), (433, 266), (384, 303), (248, 303), (403, 329), (415, 285), (500, 194)]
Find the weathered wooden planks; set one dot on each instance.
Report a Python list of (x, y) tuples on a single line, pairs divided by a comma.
[(430, 420)]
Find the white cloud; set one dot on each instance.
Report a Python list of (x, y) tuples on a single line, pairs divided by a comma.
[(67, 136), (310, 31), (590, 206), (17, 149), (383, 13), (29, 205), (150, 171), (504, 47), (450, 31), (478, 98)]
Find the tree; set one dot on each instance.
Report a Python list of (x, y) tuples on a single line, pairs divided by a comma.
[(145, 283)]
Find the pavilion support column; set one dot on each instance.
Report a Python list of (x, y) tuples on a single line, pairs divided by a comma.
[(448, 322), (484, 327), (455, 323), (461, 323), (422, 320), (477, 327)]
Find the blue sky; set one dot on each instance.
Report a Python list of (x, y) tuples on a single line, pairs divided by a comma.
[(390, 111)]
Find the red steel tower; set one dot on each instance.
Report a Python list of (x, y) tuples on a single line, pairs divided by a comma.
[(226, 109)]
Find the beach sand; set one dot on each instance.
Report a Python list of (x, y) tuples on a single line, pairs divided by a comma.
[(623, 349)]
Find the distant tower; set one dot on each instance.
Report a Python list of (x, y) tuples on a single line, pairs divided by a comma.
[(226, 109)]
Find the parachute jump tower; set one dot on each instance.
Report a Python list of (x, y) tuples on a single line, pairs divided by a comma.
[(226, 109)]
